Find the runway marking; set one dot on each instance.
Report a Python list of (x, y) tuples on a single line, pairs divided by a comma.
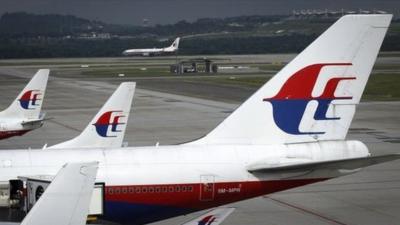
[(330, 220)]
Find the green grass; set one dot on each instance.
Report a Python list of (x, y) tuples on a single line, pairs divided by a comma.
[(394, 67), (129, 72), (380, 87), (383, 87), (275, 67), (246, 81), (389, 54)]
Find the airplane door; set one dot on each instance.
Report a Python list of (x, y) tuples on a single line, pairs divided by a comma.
[(207, 187)]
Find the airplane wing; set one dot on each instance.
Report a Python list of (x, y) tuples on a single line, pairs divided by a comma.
[(326, 167), (41, 119), (66, 200), (214, 217)]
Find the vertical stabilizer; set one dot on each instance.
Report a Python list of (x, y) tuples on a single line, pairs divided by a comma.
[(314, 97), (28, 103), (175, 44), (107, 128)]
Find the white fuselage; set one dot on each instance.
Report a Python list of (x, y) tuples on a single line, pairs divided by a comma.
[(174, 164), (147, 184), (148, 51)]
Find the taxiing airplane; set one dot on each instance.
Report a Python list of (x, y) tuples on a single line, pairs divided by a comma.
[(24, 114), (107, 128), (153, 51), (67, 198), (291, 132)]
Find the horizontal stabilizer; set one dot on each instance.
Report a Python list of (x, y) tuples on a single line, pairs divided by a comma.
[(332, 168), (34, 122)]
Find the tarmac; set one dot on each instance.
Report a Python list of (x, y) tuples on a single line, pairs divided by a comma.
[(371, 196)]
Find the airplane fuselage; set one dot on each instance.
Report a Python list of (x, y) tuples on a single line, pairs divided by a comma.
[(147, 184), (147, 52), (153, 51)]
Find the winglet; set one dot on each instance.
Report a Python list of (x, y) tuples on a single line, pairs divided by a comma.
[(66, 200), (107, 128)]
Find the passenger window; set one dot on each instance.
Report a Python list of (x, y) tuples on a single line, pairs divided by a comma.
[(151, 189)]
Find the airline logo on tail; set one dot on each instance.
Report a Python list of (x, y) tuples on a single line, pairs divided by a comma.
[(208, 220), (291, 101), (29, 99), (107, 120)]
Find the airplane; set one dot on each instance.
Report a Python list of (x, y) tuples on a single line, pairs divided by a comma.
[(75, 180), (24, 114), (107, 128), (213, 217), (289, 133), (153, 51)]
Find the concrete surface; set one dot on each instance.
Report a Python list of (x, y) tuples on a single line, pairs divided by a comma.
[(371, 196)]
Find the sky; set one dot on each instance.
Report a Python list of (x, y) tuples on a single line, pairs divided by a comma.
[(171, 11)]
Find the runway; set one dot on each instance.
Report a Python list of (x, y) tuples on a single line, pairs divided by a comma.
[(158, 115)]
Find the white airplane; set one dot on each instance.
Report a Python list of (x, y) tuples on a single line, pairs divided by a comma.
[(153, 51), (291, 132), (67, 198), (107, 128), (213, 217), (24, 113)]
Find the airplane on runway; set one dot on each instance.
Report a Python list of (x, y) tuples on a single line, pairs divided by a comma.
[(24, 114), (290, 133), (153, 51), (75, 180), (107, 128)]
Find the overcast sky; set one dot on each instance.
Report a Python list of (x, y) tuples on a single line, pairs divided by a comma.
[(171, 11)]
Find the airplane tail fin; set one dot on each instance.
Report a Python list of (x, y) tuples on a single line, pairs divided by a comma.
[(175, 44), (28, 103), (313, 97), (107, 128)]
